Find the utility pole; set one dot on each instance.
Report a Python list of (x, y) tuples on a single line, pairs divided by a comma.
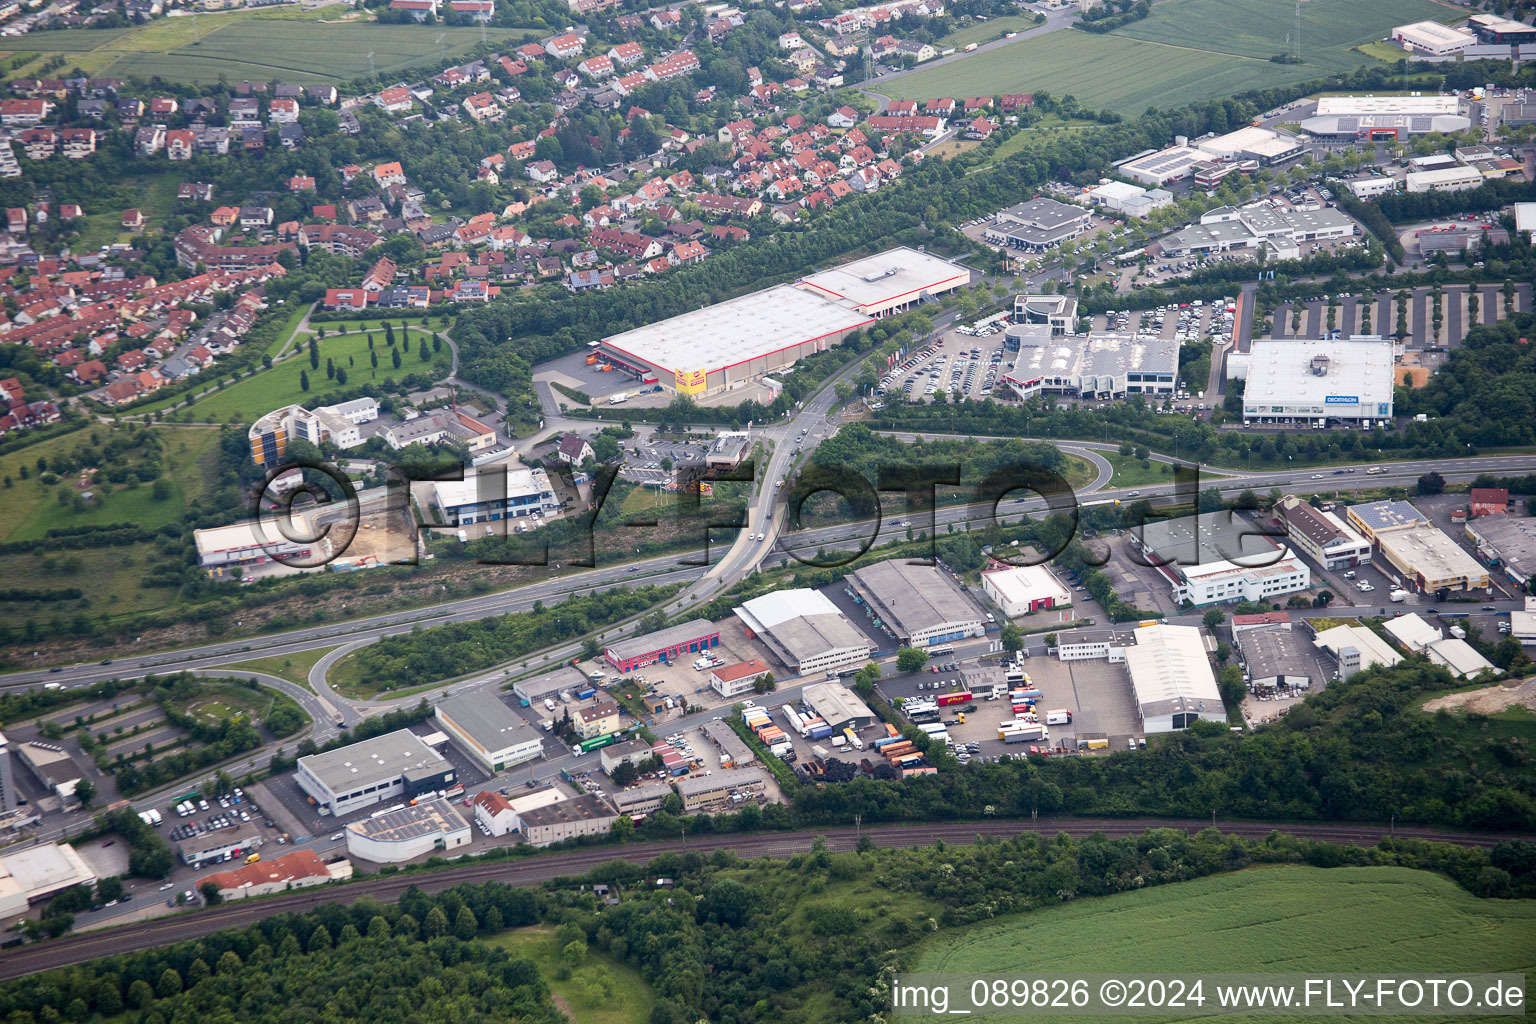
[(1297, 51)]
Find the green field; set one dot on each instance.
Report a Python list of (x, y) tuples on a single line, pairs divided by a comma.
[(986, 31), (32, 507), (290, 45), (292, 667), (1129, 471), (259, 394), (1181, 53), (1270, 919), (600, 991)]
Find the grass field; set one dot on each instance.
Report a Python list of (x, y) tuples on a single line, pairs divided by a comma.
[(1177, 55), (254, 396), (1129, 472), (600, 991), (986, 31), (290, 45), (292, 667), (32, 508), (1270, 919)]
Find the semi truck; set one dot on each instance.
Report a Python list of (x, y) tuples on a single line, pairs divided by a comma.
[(1397, 596), (618, 399), (1059, 717)]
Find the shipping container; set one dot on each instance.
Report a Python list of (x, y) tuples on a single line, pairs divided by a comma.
[(958, 697), (891, 730), (899, 750), (584, 694)]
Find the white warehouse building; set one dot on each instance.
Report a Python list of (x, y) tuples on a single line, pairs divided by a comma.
[(487, 731), (1172, 678), (1342, 380), (805, 631), (395, 837), (1432, 38), (1023, 589), (1131, 200)]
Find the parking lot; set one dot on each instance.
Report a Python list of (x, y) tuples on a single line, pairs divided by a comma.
[(647, 456), (1350, 310)]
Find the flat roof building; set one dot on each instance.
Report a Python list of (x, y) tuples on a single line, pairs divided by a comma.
[(1223, 535), (220, 548), (548, 685), (1355, 648), (628, 752), (491, 734), (664, 645), (1162, 166), (1449, 179), (35, 873), (804, 630), (1258, 225), (1131, 200), (728, 344), (491, 495), (370, 771), (1093, 643), (1431, 562), (1494, 28), (1322, 535), (1275, 656), (395, 837), (1222, 582), (1036, 225), (1100, 366), (1266, 147), (1376, 518), (1433, 38), (1507, 542), (887, 282), (1024, 589), (1346, 380), (638, 801), (704, 793), (913, 603), (1385, 118), (733, 752), (1058, 312), (1172, 678), (585, 815)]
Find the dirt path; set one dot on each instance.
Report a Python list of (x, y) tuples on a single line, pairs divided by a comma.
[(1489, 700), (563, 1006)]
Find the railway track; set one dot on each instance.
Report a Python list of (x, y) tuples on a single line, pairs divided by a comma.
[(79, 948)]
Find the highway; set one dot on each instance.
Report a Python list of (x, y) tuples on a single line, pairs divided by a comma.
[(538, 869)]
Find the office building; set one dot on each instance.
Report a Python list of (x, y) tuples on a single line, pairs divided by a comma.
[(1100, 366), (1258, 226), (337, 425), (735, 680), (492, 495), (1322, 535), (1058, 312), (1261, 145), (1131, 200)]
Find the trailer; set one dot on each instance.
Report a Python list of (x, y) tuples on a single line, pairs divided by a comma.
[(819, 732), (901, 749), (853, 739), (1020, 732), (597, 742), (584, 694), (950, 699)]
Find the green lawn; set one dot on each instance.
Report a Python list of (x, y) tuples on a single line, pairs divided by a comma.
[(1129, 472), (1181, 53), (291, 45), (266, 390), (1271, 919), (986, 31), (33, 508), (292, 667), (600, 991)]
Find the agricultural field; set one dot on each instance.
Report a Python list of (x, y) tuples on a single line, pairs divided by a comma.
[(1274, 919), (254, 396), (986, 31), (596, 990), (1174, 56), (290, 45)]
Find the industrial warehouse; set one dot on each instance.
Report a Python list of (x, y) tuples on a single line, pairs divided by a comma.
[(487, 731), (1345, 381), (915, 603), (1024, 589), (804, 630), (1279, 233), (361, 774), (397, 836), (733, 343), (664, 645), (1100, 366), (1171, 676)]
